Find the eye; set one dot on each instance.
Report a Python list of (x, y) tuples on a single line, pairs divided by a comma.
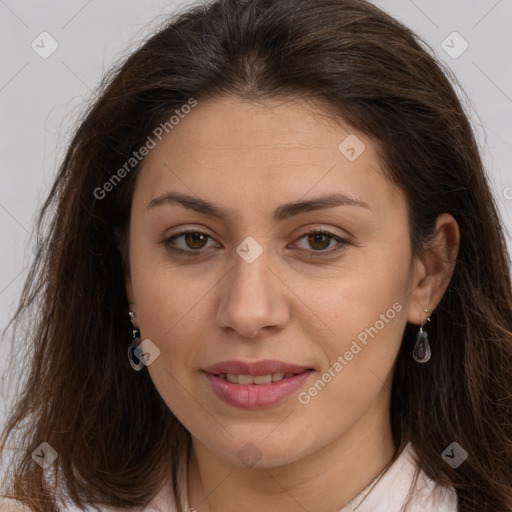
[(320, 240), (194, 240)]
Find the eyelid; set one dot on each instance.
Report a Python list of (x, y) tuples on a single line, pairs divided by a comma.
[(322, 229), (309, 229), (342, 241), (182, 232)]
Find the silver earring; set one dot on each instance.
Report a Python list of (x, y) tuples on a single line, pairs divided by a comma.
[(422, 352), (133, 345)]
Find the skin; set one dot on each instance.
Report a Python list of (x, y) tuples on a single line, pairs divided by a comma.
[(290, 303)]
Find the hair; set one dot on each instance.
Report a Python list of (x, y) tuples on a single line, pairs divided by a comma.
[(117, 440)]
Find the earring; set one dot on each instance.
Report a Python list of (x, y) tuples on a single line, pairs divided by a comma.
[(422, 352), (133, 345)]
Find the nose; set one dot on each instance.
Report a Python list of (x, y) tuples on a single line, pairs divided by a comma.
[(252, 298)]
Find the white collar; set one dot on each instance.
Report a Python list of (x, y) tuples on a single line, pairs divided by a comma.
[(393, 491)]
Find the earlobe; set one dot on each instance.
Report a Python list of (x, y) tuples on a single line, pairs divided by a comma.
[(433, 272), (129, 294)]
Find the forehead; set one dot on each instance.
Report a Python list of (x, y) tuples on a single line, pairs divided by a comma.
[(264, 151)]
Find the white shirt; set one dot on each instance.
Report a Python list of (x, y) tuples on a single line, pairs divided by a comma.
[(387, 493)]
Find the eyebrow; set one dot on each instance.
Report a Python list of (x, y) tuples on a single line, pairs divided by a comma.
[(281, 213)]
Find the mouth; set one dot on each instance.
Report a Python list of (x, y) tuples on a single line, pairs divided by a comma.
[(246, 380), (266, 368), (255, 385)]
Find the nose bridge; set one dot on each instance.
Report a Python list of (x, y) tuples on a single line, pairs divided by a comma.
[(252, 275), (251, 298)]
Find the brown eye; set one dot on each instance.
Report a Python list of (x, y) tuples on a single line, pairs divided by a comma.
[(194, 241), (320, 241)]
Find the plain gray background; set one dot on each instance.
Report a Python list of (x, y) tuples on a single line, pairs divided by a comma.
[(41, 98)]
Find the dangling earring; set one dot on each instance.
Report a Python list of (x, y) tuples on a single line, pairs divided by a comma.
[(133, 345), (422, 352)]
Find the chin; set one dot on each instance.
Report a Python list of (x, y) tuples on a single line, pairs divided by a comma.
[(259, 451)]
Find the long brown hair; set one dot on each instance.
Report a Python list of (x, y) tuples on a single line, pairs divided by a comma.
[(115, 437)]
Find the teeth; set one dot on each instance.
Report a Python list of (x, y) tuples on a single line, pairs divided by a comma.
[(245, 379), (262, 379), (257, 379)]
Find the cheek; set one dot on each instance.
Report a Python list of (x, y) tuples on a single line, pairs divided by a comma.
[(368, 333), (168, 308), (360, 358), (367, 311), (170, 314), (168, 299)]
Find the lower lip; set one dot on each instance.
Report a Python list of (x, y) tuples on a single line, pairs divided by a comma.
[(256, 396)]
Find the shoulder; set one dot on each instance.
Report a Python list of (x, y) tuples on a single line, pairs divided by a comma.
[(159, 504), (10, 505), (394, 491)]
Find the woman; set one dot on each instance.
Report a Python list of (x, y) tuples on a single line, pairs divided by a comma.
[(274, 277)]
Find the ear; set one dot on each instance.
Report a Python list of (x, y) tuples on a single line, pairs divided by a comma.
[(131, 300), (434, 269)]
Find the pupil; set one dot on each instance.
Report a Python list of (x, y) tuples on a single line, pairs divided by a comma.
[(317, 238), (194, 237)]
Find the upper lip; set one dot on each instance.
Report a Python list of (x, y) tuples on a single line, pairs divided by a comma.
[(263, 367)]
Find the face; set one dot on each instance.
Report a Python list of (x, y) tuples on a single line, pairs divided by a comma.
[(262, 282)]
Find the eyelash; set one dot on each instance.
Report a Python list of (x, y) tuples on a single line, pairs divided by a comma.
[(342, 243)]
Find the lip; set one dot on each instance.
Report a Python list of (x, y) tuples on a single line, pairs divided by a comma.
[(263, 367), (255, 396)]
